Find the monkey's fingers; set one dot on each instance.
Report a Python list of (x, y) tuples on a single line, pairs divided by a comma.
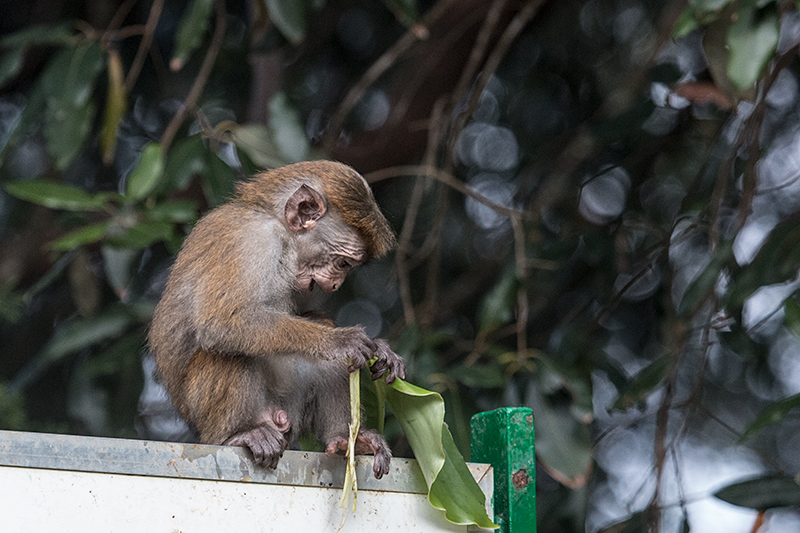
[(388, 363)]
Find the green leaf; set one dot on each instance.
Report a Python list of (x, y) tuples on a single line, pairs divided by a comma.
[(708, 5), (406, 11), (74, 335), (752, 39), (85, 235), (256, 142), (218, 180), (181, 211), (67, 85), (287, 128), (82, 332), (11, 302), (703, 285), (66, 130), (147, 173), (777, 260), (116, 104), (55, 195), (282, 142), (686, 24), (643, 382), (16, 44), (482, 376), (739, 342), (142, 235), (772, 414), (451, 487), (763, 492), (42, 34), (12, 409), (791, 315), (29, 119), (193, 25), (10, 64), (290, 17), (185, 160), (71, 74), (499, 304), (119, 265), (563, 444)]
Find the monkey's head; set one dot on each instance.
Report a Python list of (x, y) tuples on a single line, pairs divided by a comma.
[(330, 213)]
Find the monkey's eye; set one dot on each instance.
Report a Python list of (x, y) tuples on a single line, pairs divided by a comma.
[(343, 264)]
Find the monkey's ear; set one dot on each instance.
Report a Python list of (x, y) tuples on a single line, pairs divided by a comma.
[(304, 207)]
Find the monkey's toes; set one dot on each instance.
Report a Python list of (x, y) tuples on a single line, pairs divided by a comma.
[(381, 465), (266, 445), (336, 445)]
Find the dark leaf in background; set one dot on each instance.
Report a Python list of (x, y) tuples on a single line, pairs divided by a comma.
[(772, 414), (406, 11), (142, 235), (116, 105), (291, 17), (776, 262), (193, 26), (180, 211), (10, 64), (187, 159), (791, 315), (498, 306), (40, 34), (85, 235), (488, 376), (67, 84), (763, 492), (56, 195), (702, 287), (563, 444), (644, 382), (144, 178), (752, 39)]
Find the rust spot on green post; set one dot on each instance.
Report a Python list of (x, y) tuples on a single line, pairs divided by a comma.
[(504, 439), (520, 479)]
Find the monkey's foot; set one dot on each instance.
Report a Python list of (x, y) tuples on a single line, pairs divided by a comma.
[(368, 442), (265, 443)]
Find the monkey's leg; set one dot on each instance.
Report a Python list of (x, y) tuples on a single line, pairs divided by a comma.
[(332, 421), (368, 442), (226, 400)]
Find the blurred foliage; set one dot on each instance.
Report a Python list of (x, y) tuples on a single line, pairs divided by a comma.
[(596, 203)]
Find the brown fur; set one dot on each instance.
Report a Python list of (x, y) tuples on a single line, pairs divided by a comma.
[(347, 192), (231, 345)]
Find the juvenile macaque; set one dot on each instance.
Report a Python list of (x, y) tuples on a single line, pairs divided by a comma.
[(244, 356)]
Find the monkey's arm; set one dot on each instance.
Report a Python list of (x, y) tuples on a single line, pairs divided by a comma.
[(264, 332), (242, 289)]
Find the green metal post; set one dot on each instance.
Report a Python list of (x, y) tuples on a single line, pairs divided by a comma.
[(504, 439)]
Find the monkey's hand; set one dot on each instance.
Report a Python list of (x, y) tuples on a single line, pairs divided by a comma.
[(368, 441), (352, 344), (387, 362)]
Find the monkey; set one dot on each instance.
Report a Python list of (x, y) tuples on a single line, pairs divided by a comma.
[(239, 344)]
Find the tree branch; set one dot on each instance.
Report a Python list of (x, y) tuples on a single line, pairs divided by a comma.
[(200, 81)]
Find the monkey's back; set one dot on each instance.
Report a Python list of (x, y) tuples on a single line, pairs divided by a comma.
[(226, 264)]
